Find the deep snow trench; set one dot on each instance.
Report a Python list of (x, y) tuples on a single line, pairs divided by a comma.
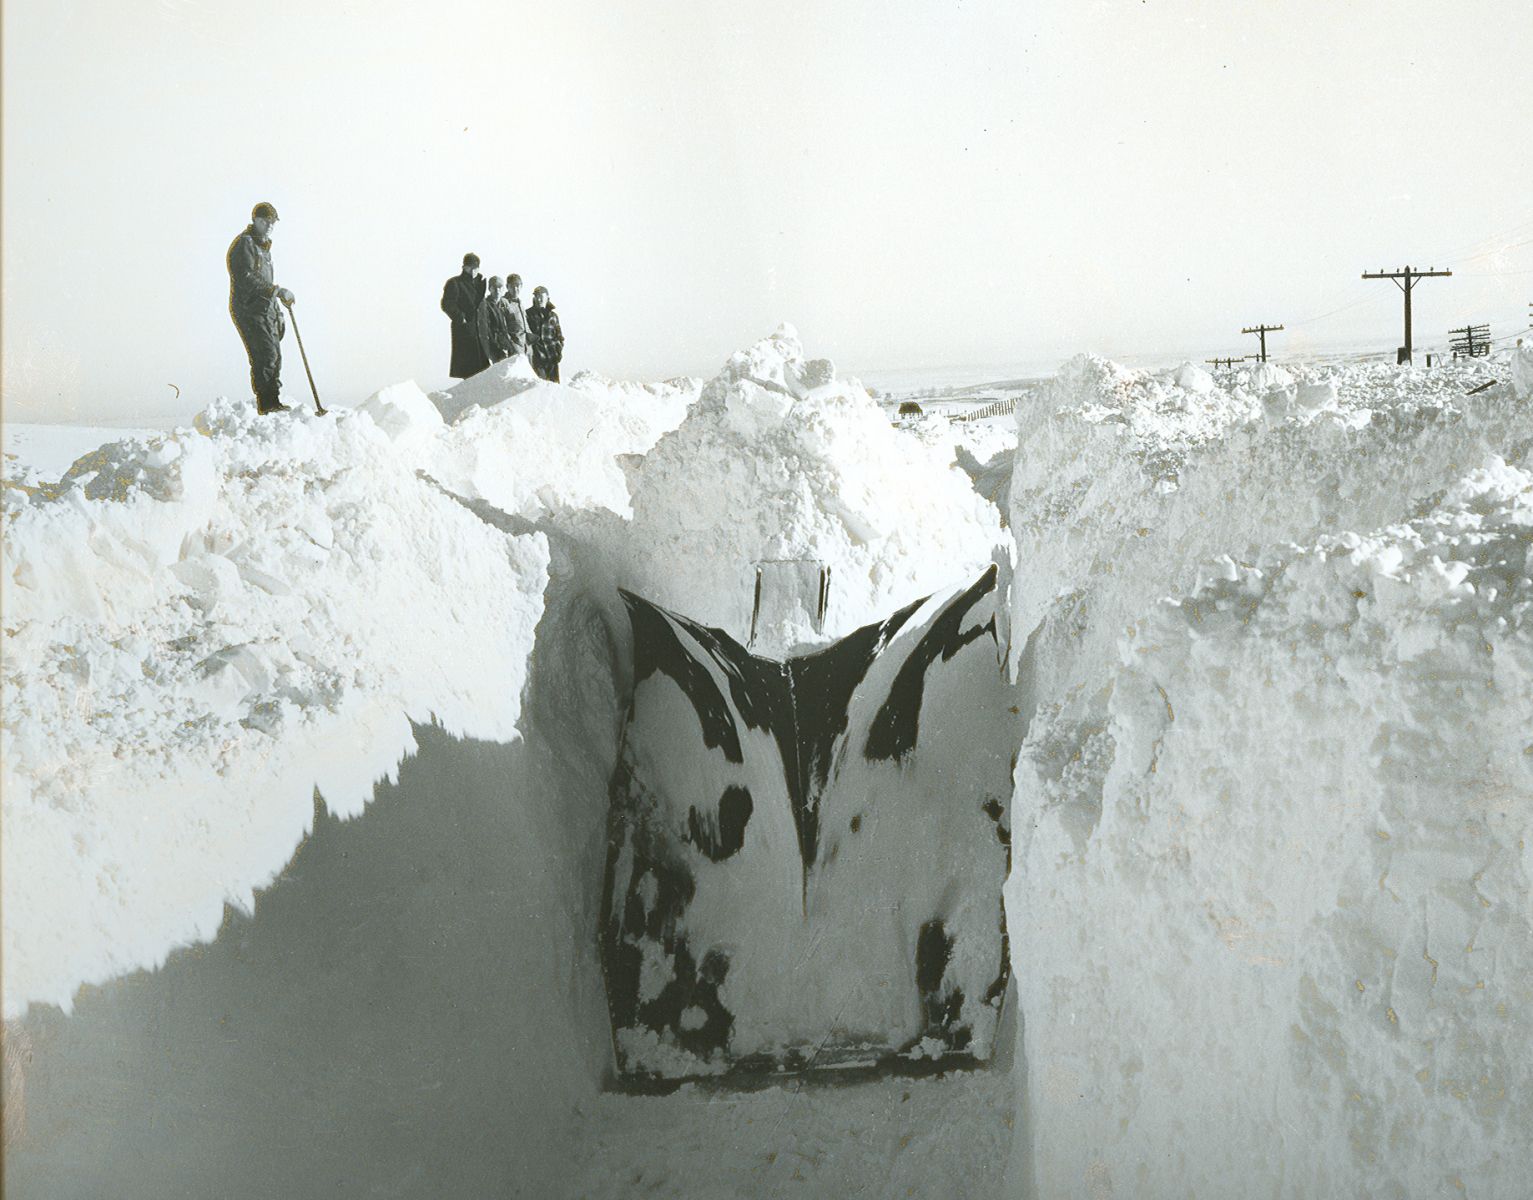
[(359, 839)]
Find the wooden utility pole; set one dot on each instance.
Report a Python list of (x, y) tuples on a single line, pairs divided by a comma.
[(1405, 279), (1263, 330), (1472, 341)]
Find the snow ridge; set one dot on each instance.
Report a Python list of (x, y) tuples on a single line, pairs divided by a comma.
[(781, 460), (1270, 911), (203, 627)]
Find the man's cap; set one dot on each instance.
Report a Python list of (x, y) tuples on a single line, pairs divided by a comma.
[(494, 281), (514, 276), (263, 209), (540, 289), (470, 259)]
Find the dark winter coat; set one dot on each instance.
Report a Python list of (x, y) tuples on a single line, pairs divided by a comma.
[(460, 301), (491, 324), (257, 313), (547, 340), (252, 283)]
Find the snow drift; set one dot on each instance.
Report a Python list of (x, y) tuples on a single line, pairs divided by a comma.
[(1269, 902), (782, 461), (204, 627), (1126, 482), (1270, 910)]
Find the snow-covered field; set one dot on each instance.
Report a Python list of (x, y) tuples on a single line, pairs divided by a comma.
[(1269, 639)]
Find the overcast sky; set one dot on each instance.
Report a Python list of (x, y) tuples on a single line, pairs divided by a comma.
[(912, 184)]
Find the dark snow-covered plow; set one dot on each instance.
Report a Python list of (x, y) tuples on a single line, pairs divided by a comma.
[(806, 855)]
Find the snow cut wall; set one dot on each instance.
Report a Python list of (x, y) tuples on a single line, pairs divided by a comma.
[(1272, 905), (201, 629)]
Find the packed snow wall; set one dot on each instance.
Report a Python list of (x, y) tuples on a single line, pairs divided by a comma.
[(806, 855), (215, 638), (1270, 912), (221, 619), (202, 628), (413, 1007)]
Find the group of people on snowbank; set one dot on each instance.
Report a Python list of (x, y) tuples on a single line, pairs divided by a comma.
[(487, 326), (490, 325)]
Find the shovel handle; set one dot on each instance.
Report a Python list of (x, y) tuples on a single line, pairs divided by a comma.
[(304, 354)]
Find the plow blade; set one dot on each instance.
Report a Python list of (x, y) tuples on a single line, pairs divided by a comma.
[(806, 856)]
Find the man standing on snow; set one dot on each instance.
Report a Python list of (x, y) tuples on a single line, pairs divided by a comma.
[(255, 305), (491, 323), (547, 337), (516, 316), (460, 301)]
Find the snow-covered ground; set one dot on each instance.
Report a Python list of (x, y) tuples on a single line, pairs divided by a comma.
[(1269, 901)]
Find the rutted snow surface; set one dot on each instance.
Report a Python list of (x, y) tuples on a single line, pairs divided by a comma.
[(943, 1137)]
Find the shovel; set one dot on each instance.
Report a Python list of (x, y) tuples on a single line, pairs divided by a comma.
[(304, 354)]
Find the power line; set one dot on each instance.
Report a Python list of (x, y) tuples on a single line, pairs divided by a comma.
[(1371, 298), (1498, 250), (1465, 247), (1454, 252)]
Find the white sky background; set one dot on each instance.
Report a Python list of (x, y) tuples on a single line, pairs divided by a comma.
[(912, 184)]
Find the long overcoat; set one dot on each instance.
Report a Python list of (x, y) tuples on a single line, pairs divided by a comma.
[(460, 301)]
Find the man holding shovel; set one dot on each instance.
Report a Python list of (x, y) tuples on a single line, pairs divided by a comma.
[(255, 303)]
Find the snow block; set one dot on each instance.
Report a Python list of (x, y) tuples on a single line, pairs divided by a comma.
[(1522, 372), (806, 855)]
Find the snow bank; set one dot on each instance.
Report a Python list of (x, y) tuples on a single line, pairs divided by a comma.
[(1271, 915), (224, 619), (495, 383), (549, 448), (1125, 481), (780, 461), (203, 627), (1522, 372)]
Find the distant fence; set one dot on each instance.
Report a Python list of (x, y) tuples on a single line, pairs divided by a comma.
[(1000, 408)]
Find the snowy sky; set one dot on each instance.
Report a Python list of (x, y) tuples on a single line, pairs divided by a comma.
[(912, 184)]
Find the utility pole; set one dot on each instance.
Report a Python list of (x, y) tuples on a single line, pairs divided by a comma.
[(1405, 279), (1263, 330), (1472, 341)]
